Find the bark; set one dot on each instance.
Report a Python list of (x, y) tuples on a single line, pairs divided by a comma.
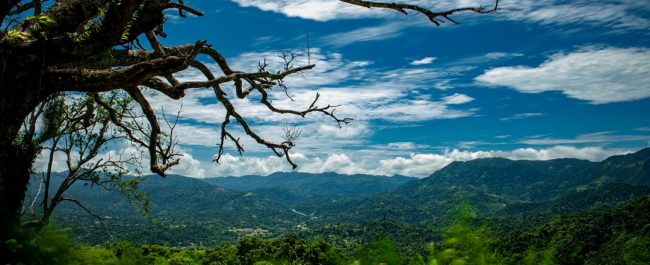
[(20, 93)]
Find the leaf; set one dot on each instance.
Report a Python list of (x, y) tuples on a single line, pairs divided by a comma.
[(46, 20), (19, 35)]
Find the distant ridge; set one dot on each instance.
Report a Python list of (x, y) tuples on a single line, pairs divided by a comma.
[(540, 179), (209, 210), (327, 183)]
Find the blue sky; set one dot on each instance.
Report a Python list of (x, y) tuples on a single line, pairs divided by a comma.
[(550, 79)]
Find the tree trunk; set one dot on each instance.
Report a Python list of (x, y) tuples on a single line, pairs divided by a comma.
[(20, 93), (15, 164)]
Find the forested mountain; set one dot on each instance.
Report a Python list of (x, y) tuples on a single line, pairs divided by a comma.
[(352, 210), (505, 187), (517, 179), (631, 168), (313, 194), (188, 211), (537, 180), (328, 183), (184, 211), (618, 235)]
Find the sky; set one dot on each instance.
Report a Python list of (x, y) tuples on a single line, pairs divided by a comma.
[(537, 80)]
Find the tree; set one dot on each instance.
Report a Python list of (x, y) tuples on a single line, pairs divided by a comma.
[(80, 132), (86, 46), (382, 250), (466, 243)]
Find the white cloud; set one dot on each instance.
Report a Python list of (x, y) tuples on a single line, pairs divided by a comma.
[(422, 165), (362, 91), (423, 61), (350, 131), (457, 99), (324, 10), (320, 10), (42, 160), (587, 153), (189, 166), (615, 14), (599, 76), (230, 165), (357, 161), (415, 164)]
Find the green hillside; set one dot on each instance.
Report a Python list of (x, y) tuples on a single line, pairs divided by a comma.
[(517, 200)]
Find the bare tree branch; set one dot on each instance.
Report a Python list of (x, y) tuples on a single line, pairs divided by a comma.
[(153, 137), (435, 17)]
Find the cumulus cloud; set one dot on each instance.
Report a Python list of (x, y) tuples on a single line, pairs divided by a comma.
[(415, 164), (238, 166), (230, 165), (359, 161), (189, 166), (597, 75), (422, 165)]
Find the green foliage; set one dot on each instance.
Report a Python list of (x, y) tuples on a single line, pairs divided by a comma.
[(382, 250), (615, 236), (49, 246), (288, 249), (98, 256), (536, 257), (15, 35), (465, 242), (635, 250), (40, 24)]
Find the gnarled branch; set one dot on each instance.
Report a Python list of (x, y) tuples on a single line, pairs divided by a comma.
[(435, 17)]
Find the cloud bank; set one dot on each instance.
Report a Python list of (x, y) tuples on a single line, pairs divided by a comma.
[(415, 164)]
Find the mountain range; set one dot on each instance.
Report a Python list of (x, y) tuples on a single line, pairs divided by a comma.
[(216, 210)]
